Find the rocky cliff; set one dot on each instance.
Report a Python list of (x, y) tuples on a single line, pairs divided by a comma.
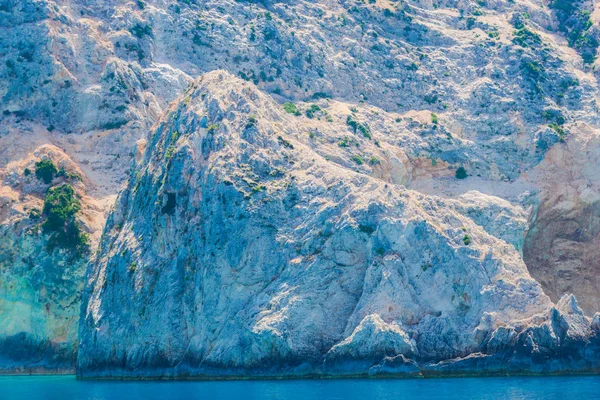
[(470, 125), (238, 249), (46, 221)]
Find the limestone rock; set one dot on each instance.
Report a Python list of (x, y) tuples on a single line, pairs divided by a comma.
[(388, 100), (236, 251)]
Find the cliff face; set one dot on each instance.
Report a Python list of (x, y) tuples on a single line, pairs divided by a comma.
[(561, 247), (410, 94), (236, 249), (46, 229)]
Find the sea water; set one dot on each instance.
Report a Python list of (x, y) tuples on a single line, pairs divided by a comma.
[(67, 387)]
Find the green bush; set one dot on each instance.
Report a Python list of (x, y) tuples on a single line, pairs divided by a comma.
[(358, 159), (45, 170), (291, 108), (60, 207), (434, 118), (467, 240), (345, 142), (461, 173), (471, 22), (284, 142), (575, 22), (252, 121), (358, 127), (63, 173), (562, 135), (526, 38), (140, 31), (310, 113)]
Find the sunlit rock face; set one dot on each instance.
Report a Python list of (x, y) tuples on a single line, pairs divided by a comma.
[(42, 268), (402, 94), (236, 250)]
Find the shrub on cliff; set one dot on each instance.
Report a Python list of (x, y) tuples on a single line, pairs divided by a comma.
[(291, 108), (467, 240), (310, 113), (359, 127), (45, 170), (461, 173), (60, 207)]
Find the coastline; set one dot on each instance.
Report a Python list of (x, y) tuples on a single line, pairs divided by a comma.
[(425, 375), (201, 378)]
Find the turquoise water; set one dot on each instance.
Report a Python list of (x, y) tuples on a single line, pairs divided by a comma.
[(67, 388)]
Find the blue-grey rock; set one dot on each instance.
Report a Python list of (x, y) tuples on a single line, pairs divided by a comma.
[(235, 251)]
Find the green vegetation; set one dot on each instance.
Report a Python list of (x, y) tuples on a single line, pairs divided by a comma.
[(493, 34), (212, 128), (321, 95), (575, 23), (26, 172), (554, 116), (34, 214), (132, 267), (471, 22), (434, 118), (69, 175), (45, 170), (461, 173), (533, 70), (345, 142), (562, 135), (291, 108), (366, 229), (310, 113), (358, 159), (114, 125), (60, 207), (467, 240), (252, 121), (358, 127), (526, 38), (431, 98), (169, 153), (285, 143), (140, 31)]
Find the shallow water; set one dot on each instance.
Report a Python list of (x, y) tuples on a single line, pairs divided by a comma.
[(67, 387)]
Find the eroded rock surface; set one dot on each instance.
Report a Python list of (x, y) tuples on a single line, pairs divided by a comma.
[(236, 250), (403, 93), (43, 258)]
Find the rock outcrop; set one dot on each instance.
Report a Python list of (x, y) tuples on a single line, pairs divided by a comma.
[(481, 112), (45, 225), (236, 250)]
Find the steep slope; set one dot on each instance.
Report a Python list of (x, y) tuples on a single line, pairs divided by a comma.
[(237, 250), (415, 90), (561, 248), (45, 225)]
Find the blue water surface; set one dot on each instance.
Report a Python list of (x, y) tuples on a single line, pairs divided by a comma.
[(67, 387)]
